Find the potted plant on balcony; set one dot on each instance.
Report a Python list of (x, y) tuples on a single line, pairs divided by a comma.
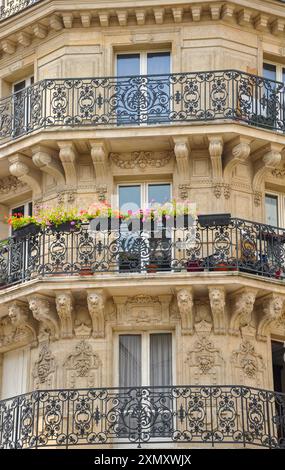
[(23, 225), (60, 219)]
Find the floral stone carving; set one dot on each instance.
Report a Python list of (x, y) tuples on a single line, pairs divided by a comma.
[(44, 372), (83, 367), (248, 365)]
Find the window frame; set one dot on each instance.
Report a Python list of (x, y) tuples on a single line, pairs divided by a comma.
[(144, 191), (145, 341), (280, 206), (143, 58), (279, 69)]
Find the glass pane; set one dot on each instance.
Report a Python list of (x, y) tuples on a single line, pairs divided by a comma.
[(30, 208), (158, 193), (269, 71), (161, 359), (19, 86), (129, 198), (128, 64), (271, 209), (18, 210), (158, 63), (130, 360)]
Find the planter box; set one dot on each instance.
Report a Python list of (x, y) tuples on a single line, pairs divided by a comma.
[(212, 220), (30, 229), (194, 266), (65, 227)]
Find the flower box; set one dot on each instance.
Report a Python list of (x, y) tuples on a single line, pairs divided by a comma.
[(29, 229), (70, 226)]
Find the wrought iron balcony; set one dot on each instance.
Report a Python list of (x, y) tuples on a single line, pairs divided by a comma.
[(12, 7), (209, 245), (193, 415), (144, 100)]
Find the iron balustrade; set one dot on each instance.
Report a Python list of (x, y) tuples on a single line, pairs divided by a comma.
[(197, 415), (234, 245), (144, 100), (12, 7)]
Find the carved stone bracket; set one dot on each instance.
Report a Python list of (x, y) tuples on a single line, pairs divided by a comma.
[(17, 328), (238, 152), (242, 309), (99, 154), (215, 151), (96, 306), (265, 159), (44, 159), (182, 153), (272, 311), (19, 166), (185, 307), (65, 308), (68, 157), (44, 311), (218, 302)]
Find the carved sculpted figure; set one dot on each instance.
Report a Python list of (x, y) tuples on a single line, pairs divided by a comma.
[(218, 302), (185, 306), (96, 301)]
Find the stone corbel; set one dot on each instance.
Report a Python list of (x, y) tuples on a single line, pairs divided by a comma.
[(218, 303), (272, 308), (165, 306), (122, 17), (270, 158), (99, 154), (177, 14), (158, 15), (44, 311), (196, 12), (237, 152), (244, 17), (18, 313), (65, 308), (104, 19), (182, 153), (40, 31), (277, 27), (67, 20), (261, 22), (140, 16), (19, 167), (86, 19), (185, 306), (68, 157), (242, 309), (8, 46), (96, 306), (24, 39), (215, 151), (44, 159), (56, 22)]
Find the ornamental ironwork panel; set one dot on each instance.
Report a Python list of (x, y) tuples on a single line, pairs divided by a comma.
[(144, 100), (210, 415), (235, 245), (12, 7)]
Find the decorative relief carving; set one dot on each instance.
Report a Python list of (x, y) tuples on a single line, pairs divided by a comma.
[(242, 308), (44, 372), (203, 312), (83, 367), (220, 189), (204, 360), (11, 184), (43, 311), (17, 329), (273, 312), (82, 322), (278, 172), (183, 190), (218, 302), (185, 306), (64, 306), (101, 191), (257, 198), (141, 159), (66, 197), (248, 365), (142, 309)]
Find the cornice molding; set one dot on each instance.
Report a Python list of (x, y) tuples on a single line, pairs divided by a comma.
[(23, 27)]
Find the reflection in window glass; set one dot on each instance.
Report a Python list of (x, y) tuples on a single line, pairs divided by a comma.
[(129, 198), (158, 193)]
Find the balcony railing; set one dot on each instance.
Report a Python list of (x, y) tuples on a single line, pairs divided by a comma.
[(144, 100), (209, 245), (12, 7), (197, 415)]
